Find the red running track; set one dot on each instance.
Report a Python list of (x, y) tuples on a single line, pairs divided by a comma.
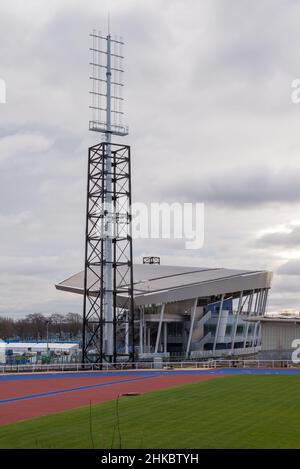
[(11, 389), (38, 406)]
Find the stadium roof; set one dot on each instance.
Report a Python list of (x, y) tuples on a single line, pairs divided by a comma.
[(155, 283)]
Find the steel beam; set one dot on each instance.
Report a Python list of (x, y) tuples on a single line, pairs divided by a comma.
[(191, 327), (218, 323), (162, 310)]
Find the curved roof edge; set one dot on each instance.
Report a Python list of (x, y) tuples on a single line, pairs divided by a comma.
[(159, 283)]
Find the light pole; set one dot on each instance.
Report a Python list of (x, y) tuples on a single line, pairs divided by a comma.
[(47, 324)]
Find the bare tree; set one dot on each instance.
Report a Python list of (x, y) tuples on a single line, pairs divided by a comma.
[(34, 327), (7, 328)]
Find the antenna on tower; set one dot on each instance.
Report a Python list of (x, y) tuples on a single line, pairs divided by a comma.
[(108, 311), (107, 84)]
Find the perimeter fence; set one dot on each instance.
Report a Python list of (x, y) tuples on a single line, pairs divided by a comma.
[(147, 365)]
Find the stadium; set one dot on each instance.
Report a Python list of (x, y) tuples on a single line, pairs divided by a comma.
[(171, 356), (191, 312), (204, 324)]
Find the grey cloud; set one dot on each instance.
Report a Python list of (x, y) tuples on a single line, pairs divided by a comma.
[(238, 188), (207, 99), (292, 268), (281, 302), (23, 294), (281, 239)]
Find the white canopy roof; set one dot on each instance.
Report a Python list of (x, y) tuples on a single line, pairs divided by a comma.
[(155, 283)]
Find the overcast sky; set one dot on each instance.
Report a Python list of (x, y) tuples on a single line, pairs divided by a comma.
[(208, 103)]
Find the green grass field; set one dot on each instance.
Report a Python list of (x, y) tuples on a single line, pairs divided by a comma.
[(231, 412)]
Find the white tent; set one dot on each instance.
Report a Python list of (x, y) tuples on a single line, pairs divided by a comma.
[(2, 351), (21, 347)]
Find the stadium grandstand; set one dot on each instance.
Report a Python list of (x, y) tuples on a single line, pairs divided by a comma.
[(192, 312)]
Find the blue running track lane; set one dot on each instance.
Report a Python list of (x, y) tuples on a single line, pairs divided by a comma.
[(222, 371)]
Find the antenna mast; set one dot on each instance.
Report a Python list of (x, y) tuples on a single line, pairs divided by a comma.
[(108, 313)]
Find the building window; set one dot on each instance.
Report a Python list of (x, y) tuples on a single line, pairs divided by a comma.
[(175, 329), (209, 328)]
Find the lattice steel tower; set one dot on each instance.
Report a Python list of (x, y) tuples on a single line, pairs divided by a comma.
[(108, 309)]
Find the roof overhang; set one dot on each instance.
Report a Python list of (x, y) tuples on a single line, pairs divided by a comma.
[(156, 284)]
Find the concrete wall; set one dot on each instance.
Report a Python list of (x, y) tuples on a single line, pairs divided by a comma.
[(275, 355), (279, 336)]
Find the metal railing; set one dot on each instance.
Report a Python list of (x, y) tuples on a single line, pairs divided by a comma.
[(225, 352), (147, 365)]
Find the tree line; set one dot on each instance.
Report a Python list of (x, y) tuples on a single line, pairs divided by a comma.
[(34, 327)]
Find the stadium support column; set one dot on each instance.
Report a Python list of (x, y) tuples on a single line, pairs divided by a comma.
[(162, 310), (260, 297), (149, 339), (144, 334), (218, 323), (191, 327), (254, 334), (264, 304), (258, 305), (236, 321), (256, 302), (141, 329), (249, 314), (261, 312), (165, 337)]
